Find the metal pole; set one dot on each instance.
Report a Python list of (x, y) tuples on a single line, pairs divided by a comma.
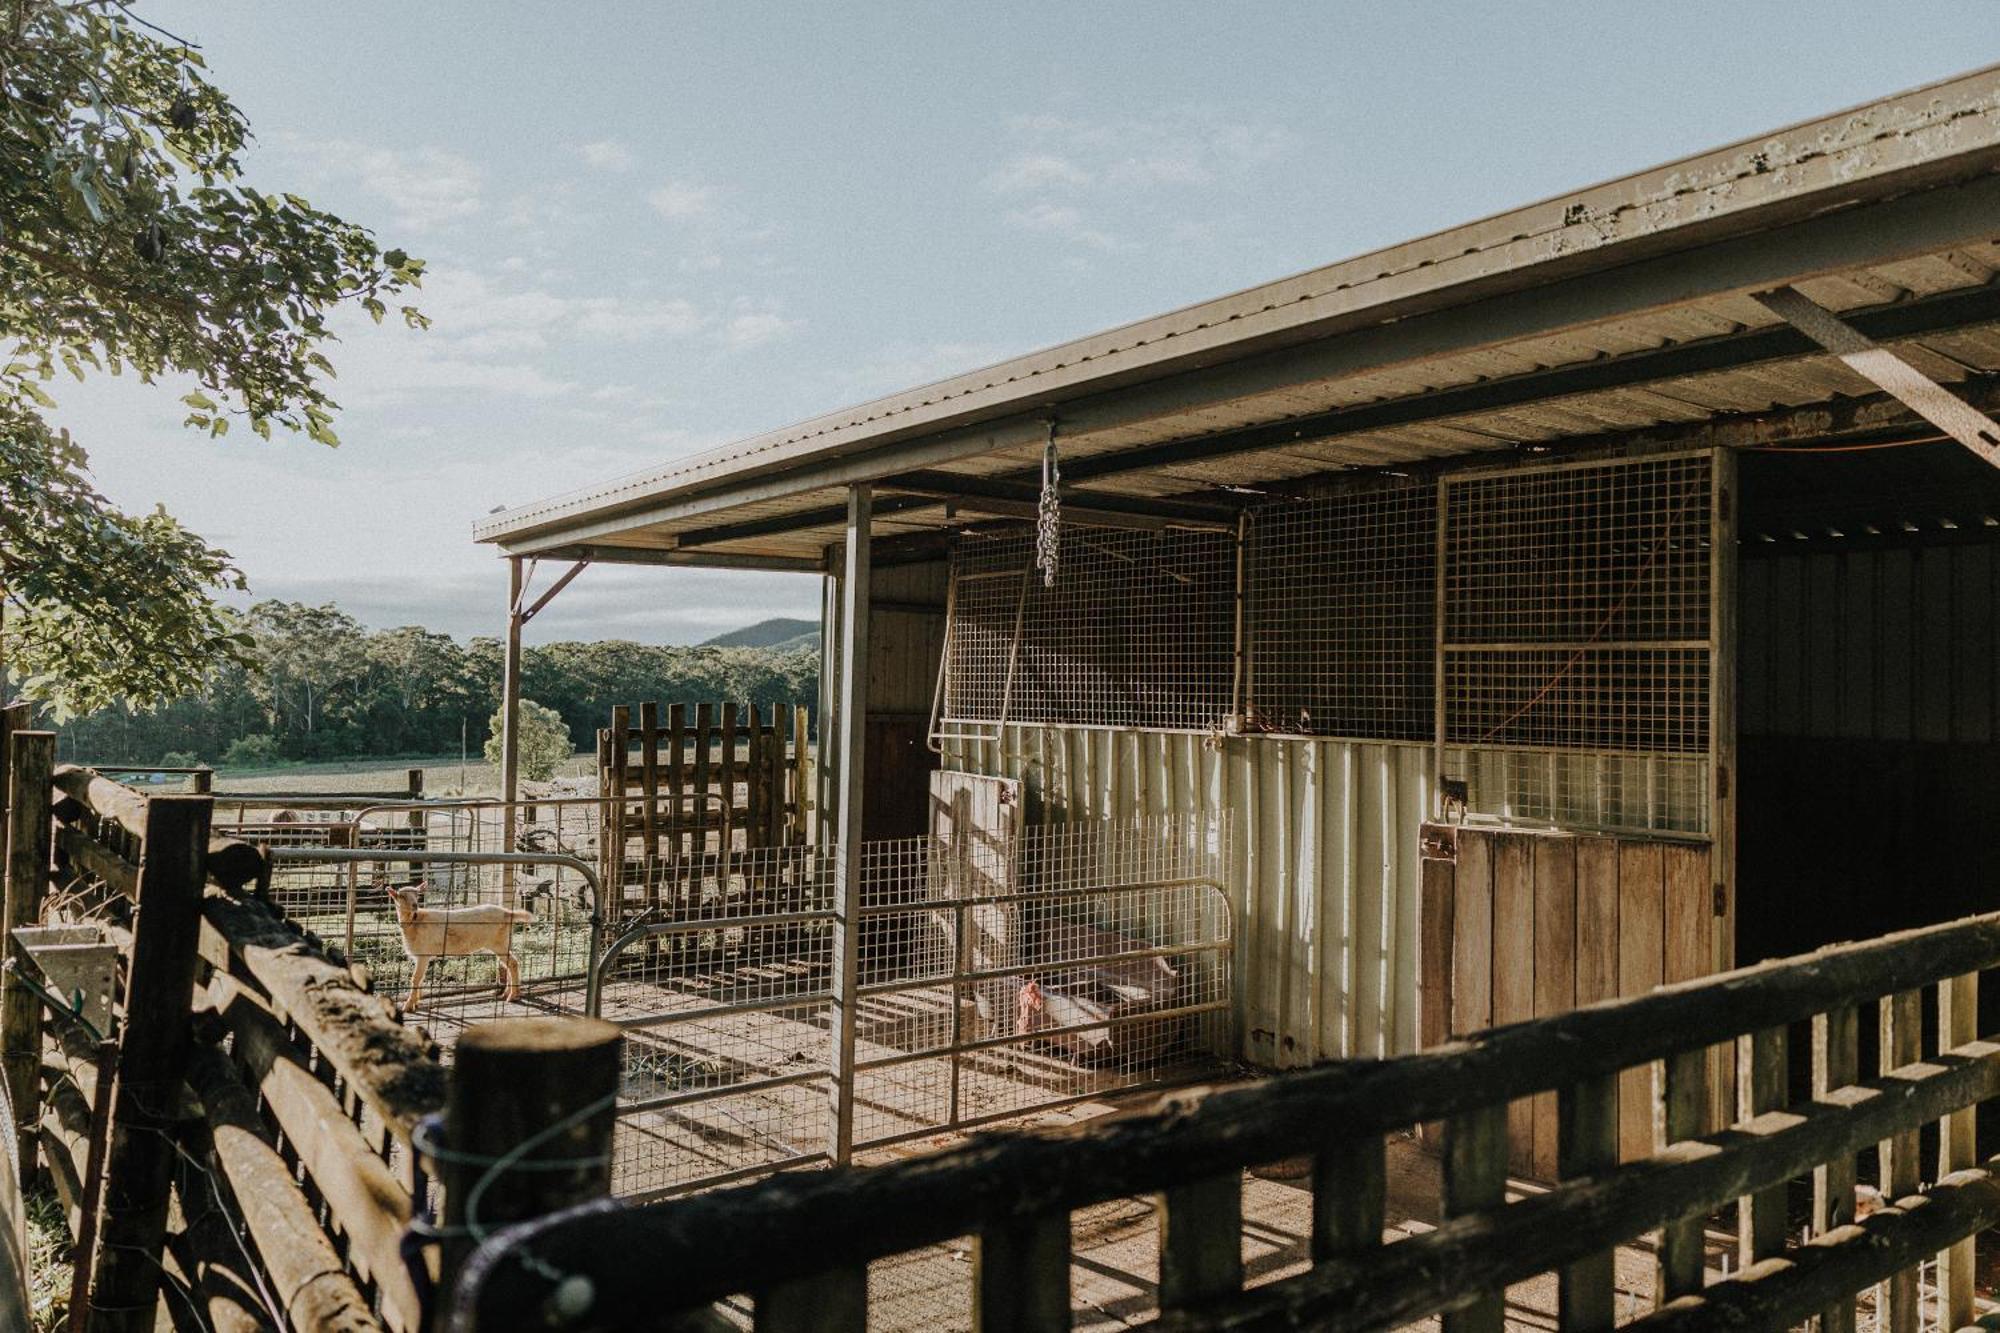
[(510, 715), (850, 724)]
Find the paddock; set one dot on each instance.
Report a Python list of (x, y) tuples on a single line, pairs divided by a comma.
[(708, 943)]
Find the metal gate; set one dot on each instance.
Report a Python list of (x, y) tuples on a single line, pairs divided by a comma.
[(1115, 975)]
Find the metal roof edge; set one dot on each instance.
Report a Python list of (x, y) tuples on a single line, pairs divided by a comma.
[(1852, 156)]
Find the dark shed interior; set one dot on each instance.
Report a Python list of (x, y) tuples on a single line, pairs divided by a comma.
[(1869, 759)]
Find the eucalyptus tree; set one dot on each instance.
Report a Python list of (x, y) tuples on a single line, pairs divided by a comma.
[(131, 243)]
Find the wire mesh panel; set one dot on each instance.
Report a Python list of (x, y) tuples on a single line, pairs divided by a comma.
[(726, 1001), (1576, 642), (1002, 978), (1342, 609), (995, 978), (1137, 631), (499, 940)]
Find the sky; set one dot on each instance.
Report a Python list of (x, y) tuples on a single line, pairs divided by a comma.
[(655, 228)]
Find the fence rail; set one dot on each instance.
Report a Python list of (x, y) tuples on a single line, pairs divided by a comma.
[(810, 1238), (238, 1123)]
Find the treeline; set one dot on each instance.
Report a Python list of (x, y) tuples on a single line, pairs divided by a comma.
[(322, 686)]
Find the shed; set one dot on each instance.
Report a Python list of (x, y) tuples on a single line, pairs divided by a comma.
[(1598, 593)]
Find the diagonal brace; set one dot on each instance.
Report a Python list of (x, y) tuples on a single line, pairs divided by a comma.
[(1887, 371), (554, 588)]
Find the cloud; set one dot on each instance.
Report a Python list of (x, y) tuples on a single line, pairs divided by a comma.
[(753, 328), (1061, 220), (426, 189), (905, 365), (679, 199), (1061, 163), (1170, 167), (606, 155), (623, 319), (1035, 171)]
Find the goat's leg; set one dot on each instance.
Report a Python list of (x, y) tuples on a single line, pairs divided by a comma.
[(417, 983), (512, 965)]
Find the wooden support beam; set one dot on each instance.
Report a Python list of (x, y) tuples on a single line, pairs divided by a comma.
[(554, 588), (1018, 498), (1887, 371), (653, 555), (510, 716), (851, 728)]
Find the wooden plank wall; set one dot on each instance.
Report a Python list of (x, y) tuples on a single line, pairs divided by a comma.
[(1525, 925)]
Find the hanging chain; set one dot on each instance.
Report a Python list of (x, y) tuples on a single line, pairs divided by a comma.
[(1048, 513)]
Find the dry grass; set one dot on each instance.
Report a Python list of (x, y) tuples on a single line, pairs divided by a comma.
[(442, 776), (48, 1259)]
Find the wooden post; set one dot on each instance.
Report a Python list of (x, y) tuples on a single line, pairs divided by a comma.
[(1201, 1241), (1020, 1277), (852, 724), (544, 1089), (1587, 1142), (31, 758), (1350, 1188), (1723, 634), (1958, 1023), (201, 782), (153, 1057), (510, 718), (1680, 1099), (1475, 1179), (1836, 1058), (1762, 1074), (1902, 1023)]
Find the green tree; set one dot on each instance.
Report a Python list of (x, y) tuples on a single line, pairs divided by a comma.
[(129, 239), (312, 672), (545, 743)]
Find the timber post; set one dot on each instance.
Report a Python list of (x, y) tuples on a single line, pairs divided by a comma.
[(510, 718), (31, 759), (153, 1056), (851, 724), (537, 1094)]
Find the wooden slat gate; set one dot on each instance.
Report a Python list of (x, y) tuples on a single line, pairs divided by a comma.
[(687, 792), (1520, 925)]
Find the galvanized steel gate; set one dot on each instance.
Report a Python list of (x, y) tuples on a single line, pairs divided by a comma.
[(996, 979)]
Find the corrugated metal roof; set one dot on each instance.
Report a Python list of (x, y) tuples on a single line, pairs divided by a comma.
[(1323, 341)]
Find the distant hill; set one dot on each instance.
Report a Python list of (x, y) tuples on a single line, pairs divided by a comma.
[(778, 632)]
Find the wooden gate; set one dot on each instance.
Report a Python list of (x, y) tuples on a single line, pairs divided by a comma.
[(1520, 925), (709, 781)]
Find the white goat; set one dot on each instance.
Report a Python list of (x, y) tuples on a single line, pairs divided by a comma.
[(456, 932)]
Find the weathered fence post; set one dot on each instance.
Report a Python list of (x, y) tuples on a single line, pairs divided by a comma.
[(527, 1127), (30, 758), (201, 782), (153, 1058)]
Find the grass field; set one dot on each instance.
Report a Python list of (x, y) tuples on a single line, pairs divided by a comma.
[(442, 776)]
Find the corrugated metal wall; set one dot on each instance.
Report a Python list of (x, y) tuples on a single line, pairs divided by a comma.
[(1889, 644), (1324, 837)]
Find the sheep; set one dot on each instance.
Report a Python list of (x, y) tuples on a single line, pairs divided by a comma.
[(456, 932)]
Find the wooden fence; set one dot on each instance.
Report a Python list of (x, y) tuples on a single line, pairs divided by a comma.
[(680, 795), (252, 1141), (801, 1244)]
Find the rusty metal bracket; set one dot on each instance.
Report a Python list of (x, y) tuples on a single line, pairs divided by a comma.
[(1887, 371)]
